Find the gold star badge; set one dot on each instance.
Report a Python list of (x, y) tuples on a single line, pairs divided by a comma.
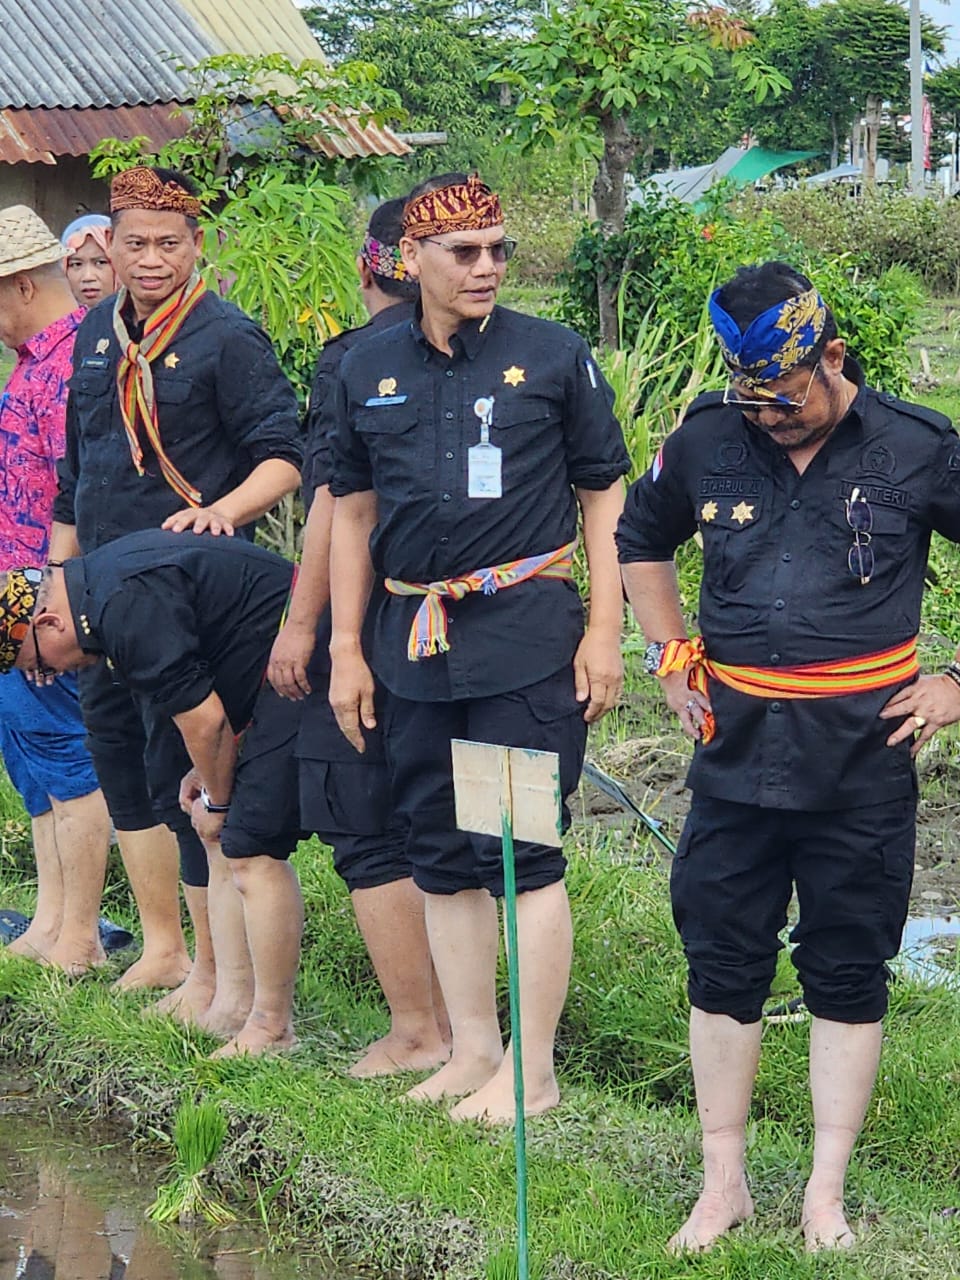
[(708, 511), (513, 376), (171, 361), (102, 345), (742, 512), (386, 386)]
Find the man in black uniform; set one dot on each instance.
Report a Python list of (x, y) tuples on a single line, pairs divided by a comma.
[(815, 497), (187, 624), (343, 797), (178, 416), (465, 441)]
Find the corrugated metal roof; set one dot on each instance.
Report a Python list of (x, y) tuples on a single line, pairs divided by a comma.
[(40, 135), (263, 26), (55, 53), (114, 59)]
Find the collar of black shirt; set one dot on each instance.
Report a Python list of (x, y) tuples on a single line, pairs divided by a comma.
[(468, 339), (853, 373)]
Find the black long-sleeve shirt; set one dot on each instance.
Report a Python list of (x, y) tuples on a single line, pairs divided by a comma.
[(224, 406), (406, 420), (182, 617), (777, 589)]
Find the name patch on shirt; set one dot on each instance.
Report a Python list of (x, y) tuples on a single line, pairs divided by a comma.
[(378, 402), (94, 362), (728, 486), (882, 495)]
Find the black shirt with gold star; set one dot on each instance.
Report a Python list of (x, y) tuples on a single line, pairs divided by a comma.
[(407, 417), (321, 413), (223, 403), (778, 589), (181, 617)]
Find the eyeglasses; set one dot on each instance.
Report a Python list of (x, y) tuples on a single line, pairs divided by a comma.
[(860, 559), (779, 404), (41, 668), (466, 255)]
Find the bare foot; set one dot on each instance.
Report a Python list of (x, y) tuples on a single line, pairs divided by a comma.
[(714, 1214), (225, 1017), (187, 1003), (456, 1079), (394, 1053), (257, 1037), (33, 944), (824, 1225), (155, 971), (74, 958), (495, 1102)]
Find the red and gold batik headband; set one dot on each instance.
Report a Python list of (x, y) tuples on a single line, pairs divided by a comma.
[(462, 206), (141, 188)]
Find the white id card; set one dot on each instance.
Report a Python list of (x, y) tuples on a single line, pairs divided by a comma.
[(484, 478)]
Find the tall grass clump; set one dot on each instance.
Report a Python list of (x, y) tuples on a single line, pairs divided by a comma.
[(199, 1133)]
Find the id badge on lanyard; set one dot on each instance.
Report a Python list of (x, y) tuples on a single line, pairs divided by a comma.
[(484, 460)]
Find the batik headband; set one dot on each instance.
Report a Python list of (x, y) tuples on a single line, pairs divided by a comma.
[(775, 342), (141, 188), (461, 206), (383, 259), (18, 599)]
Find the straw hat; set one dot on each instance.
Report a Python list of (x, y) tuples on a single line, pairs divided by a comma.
[(25, 241)]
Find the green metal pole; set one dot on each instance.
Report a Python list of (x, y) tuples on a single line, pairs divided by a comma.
[(513, 973)]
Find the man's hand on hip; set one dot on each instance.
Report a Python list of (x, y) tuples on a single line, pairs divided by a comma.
[(928, 705)]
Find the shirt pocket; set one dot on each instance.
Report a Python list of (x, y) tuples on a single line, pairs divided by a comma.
[(177, 422), (90, 390), (396, 461), (733, 539), (518, 411)]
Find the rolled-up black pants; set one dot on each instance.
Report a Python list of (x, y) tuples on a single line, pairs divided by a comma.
[(731, 884)]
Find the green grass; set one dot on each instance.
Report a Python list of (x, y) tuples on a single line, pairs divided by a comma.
[(611, 1171)]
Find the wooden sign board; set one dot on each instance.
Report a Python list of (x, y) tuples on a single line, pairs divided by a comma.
[(489, 780)]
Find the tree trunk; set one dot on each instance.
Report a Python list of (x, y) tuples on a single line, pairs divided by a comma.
[(835, 144), (872, 129), (609, 194)]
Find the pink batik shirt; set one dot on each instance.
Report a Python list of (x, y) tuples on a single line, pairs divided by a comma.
[(32, 436)]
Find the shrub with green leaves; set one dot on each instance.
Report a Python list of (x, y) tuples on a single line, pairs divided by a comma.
[(671, 255)]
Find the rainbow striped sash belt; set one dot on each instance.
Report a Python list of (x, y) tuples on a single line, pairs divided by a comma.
[(812, 680), (428, 634)]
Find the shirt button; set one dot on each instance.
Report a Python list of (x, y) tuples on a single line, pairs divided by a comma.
[(446, 497), (786, 557), (449, 373), (444, 541), (449, 416), (795, 504), (104, 482), (774, 706), (449, 454), (774, 658), (779, 604)]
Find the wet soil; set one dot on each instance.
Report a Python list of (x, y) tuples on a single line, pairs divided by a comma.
[(652, 772)]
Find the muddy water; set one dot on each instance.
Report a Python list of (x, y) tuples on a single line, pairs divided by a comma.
[(72, 1207)]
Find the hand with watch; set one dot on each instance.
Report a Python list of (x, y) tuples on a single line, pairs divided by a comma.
[(690, 706)]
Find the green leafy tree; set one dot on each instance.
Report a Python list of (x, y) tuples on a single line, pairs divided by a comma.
[(609, 71), (943, 89)]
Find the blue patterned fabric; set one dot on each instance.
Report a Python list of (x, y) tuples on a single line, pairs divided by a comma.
[(775, 342)]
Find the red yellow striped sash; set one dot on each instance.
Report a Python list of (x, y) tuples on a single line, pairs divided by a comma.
[(135, 377), (811, 680), (428, 633)]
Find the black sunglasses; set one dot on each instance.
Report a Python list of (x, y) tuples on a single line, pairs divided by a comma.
[(860, 559), (465, 255)]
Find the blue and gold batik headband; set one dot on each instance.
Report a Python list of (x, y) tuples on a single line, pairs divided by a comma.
[(774, 343)]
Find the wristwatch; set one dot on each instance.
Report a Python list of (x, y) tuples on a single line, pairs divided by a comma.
[(209, 805), (652, 656)]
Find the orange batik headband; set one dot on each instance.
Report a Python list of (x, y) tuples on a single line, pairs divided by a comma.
[(462, 206), (141, 188)]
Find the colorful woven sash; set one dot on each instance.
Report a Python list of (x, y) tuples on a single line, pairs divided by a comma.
[(811, 680), (135, 378), (428, 634)]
